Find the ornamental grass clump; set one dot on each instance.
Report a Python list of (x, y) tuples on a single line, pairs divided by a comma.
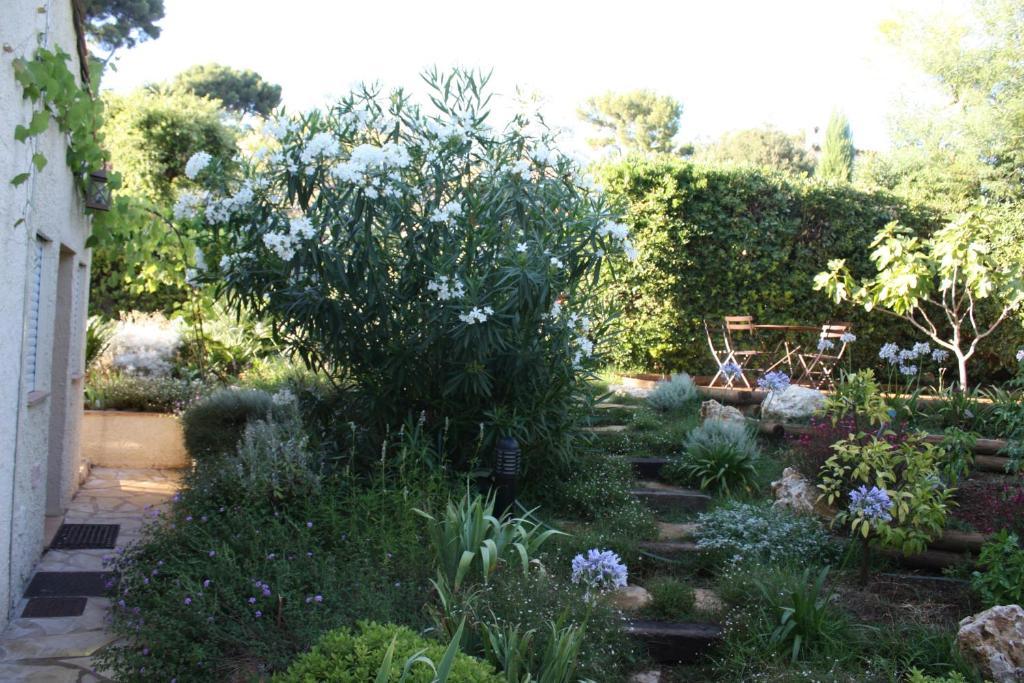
[(720, 456), (677, 394), (424, 257)]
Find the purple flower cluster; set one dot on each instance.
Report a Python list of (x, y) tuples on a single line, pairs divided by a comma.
[(872, 504), (732, 370), (599, 569), (774, 381)]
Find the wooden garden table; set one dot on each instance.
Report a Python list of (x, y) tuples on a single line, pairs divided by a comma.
[(784, 352)]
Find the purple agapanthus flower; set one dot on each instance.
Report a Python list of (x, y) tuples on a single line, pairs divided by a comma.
[(774, 381), (599, 569), (732, 369), (872, 504)]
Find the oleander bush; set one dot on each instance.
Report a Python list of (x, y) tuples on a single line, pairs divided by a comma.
[(434, 261), (356, 656)]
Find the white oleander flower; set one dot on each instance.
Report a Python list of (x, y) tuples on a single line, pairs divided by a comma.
[(476, 315), (447, 288), (196, 163)]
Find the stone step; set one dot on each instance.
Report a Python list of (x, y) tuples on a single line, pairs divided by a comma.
[(669, 531), (615, 406), (647, 467), (671, 550), (667, 499), (606, 429), (676, 643)]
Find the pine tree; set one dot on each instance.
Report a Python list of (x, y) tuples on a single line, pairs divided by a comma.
[(836, 161)]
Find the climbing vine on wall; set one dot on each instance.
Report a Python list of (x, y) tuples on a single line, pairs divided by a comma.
[(51, 85)]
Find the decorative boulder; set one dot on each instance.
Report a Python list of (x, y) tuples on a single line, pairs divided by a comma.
[(707, 601), (795, 403), (994, 641), (713, 410), (795, 493), (646, 677), (630, 598)]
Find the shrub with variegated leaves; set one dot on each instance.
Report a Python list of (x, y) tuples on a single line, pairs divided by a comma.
[(441, 264)]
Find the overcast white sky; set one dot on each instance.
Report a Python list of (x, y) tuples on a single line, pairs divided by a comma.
[(732, 63)]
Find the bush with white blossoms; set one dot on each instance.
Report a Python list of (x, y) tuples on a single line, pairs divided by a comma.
[(144, 345), (440, 264)]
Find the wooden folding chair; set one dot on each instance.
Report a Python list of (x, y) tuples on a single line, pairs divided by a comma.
[(742, 339), (730, 368), (819, 366)]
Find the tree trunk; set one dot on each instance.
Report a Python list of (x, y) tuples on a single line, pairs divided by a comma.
[(961, 364)]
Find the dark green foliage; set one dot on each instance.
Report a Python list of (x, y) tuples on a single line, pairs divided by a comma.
[(214, 425), (836, 161), (97, 337), (637, 121), (239, 90), (1001, 579), (715, 242), (122, 23), (358, 549), (355, 656)]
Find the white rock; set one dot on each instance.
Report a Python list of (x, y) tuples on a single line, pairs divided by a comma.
[(707, 601), (795, 493), (630, 598), (713, 410), (795, 403), (646, 677), (994, 641)]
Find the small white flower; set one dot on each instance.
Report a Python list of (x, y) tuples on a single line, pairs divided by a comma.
[(196, 163), (521, 247), (557, 262), (476, 315), (446, 288), (321, 144)]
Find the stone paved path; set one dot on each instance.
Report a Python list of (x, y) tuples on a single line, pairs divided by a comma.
[(59, 649)]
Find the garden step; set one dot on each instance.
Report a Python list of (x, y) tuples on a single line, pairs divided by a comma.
[(933, 560), (959, 541), (669, 642), (663, 498), (614, 406), (647, 468), (670, 550), (606, 429), (995, 464), (669, 531)]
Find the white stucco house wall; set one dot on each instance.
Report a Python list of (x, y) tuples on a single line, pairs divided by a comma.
[(44, 288)]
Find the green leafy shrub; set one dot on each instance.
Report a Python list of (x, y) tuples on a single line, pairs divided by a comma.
[(720, 455), (1000, 580), (389, 299), (678, 393), (745, 532), (215, 424), (117, 391), (916, 676), (672, 599), (355, 656), (704, 234), (97, 337)]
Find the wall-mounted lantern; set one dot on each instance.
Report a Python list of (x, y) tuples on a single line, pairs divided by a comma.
[(97, 191)]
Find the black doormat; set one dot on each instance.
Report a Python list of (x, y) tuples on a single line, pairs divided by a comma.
[(68, 584), (41, 608), (84, 536)]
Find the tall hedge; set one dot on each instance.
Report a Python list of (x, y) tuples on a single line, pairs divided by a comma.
[(728, 241)]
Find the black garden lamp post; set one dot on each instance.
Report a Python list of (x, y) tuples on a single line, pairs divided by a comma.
[(97, 191), (507, 457)]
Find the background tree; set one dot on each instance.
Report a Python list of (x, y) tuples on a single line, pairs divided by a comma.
[(239, 90), (113, 24), (949, 287), (759, 147), (137, 263), (836, 160), (637, 121)]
